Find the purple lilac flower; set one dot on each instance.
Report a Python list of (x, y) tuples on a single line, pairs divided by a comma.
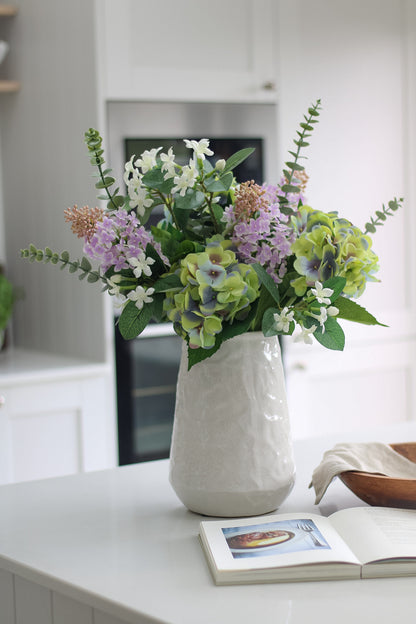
[(266, 236), (118, 237)]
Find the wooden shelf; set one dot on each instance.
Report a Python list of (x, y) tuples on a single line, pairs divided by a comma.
[(9, 86), (8, 10)]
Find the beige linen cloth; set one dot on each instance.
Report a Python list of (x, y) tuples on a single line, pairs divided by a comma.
[(373, 457)]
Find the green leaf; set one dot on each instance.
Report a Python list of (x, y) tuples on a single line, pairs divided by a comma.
[(105, 182), (237, 158), (192, 200), (264, 302), (337, 284), (93, 277), (219, 185), (159, 266), (294, 166), (267, 281), (218, 212), (168, 282), (351, 311), (133, 321), (290, 188), (268, 325), (394, 204), (370, 228), (229, 331), (73, 267), (85, 264), (154, 179), (207, 167), (118, 201), (333, 337), (183, 249), (65, 257)]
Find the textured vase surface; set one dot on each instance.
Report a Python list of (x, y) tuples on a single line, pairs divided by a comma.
[(231, 452)]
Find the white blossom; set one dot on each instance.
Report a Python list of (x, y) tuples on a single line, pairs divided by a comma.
[(141, 264), (321, 293), (185, 180), (128, 169), (147, 160), (283, 320), (321, 317), (140, 296), (200, 148), (139, 199), (220, 165), (168, 164), (305, 335), (113, 283)]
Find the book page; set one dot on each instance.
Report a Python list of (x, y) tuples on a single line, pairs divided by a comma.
[(376, 533), (276, 541)]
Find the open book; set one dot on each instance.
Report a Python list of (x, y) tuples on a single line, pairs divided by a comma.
[(363, 542)]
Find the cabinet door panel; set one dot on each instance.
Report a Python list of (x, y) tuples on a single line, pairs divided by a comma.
[(7, 611), (45, 444), (68, 611), (104, 618), (33, 603), (28, 398), (216, 51), (344, 391)]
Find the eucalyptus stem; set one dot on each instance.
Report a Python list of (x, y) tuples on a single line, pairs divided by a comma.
[(293, 166), (381, 215), (33, 254)]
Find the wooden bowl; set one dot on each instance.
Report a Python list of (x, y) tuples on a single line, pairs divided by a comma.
[(383, 491)]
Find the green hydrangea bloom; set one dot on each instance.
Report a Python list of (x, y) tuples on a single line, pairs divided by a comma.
[(329, 246), (216, 289)]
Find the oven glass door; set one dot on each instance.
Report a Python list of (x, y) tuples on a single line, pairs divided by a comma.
[(147, 370)]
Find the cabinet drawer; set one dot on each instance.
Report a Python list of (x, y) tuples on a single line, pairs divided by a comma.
[(42, 397)]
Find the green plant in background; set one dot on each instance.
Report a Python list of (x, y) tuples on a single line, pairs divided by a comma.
[(224, 258), (7, 299)]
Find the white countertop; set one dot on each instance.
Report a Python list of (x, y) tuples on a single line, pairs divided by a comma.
[(120, 541), (18, 366)]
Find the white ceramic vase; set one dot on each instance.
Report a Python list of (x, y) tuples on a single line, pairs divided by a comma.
[(231, 452)]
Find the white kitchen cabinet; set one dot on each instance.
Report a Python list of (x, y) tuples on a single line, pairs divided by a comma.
[(188, 51), (54, 417), (57, 383), (339, 392)]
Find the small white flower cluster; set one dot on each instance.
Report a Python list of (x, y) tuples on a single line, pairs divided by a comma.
[(139, 295), (285, 317), (139, 199)]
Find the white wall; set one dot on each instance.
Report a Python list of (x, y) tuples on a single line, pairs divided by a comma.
[(354, 56), (46, 169), (359, 58)]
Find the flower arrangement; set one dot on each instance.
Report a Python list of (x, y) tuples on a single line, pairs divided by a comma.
[(224, 258)]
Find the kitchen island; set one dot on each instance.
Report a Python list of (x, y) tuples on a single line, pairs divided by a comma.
[(118, 547)]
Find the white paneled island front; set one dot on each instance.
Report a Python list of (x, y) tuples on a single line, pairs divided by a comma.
[(117, 547)]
